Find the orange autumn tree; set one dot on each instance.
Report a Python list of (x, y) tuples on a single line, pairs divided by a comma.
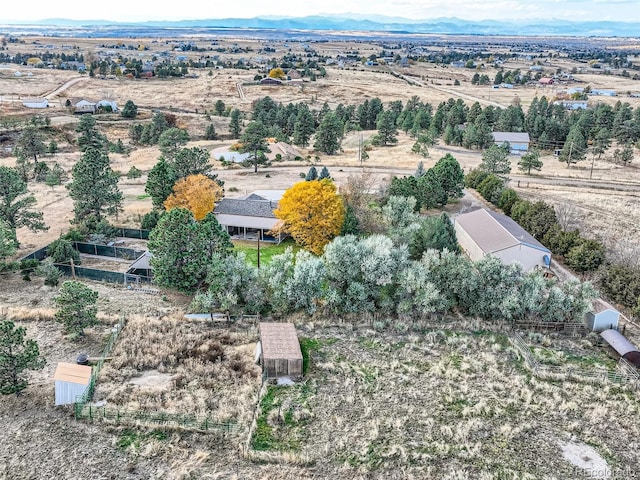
[(312, 213), (196, 193)]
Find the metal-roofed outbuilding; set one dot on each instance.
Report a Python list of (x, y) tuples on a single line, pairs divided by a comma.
[(622, 346)]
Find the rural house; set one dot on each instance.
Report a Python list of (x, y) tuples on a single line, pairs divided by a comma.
[(294, 75), (250, 217), (518, 141), (279, 351), (483, 232), (80, 105)]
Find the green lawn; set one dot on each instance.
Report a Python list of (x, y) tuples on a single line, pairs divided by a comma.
[(267, 250)]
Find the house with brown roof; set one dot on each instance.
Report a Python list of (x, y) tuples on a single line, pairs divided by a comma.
[(546, 81), (482, 232)]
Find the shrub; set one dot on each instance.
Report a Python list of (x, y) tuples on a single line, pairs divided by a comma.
[(50, 272), (134, 173), (561, 241), (587, 256), (491, 188), (76, 307), (475, 178), (621, 283), (150, 219), (62, 251), (507, 200)]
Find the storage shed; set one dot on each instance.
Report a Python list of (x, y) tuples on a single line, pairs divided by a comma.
[(622, 346), (71, 381), (279, 350), (602, 316)]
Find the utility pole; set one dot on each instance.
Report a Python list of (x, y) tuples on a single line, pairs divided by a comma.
[(569, 157), (259, 234)]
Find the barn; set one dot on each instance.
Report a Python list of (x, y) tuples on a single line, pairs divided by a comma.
[(71, 381), (279, 351), (622, 346), (483, 232), (602, 316)]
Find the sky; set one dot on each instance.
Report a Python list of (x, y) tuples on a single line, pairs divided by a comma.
[(140, 10)]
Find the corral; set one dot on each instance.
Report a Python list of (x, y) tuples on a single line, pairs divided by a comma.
[(182, 366)]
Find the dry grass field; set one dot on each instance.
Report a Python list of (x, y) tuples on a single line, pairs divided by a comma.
[(381, 402), (183, 366)]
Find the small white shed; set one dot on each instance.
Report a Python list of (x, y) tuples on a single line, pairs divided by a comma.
[(71, 381), (602, 316)]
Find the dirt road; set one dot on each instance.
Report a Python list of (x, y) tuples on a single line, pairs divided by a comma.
[(455, 93), (64, 86)]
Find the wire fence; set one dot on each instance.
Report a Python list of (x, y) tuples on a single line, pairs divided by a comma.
[(85, 410), (108, 250), (186, 421), (87, 395), (625, 374)]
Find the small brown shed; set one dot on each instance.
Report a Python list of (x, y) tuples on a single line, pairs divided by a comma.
[(279, 350)]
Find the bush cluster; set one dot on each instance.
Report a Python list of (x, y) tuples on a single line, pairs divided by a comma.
[(539, 219)]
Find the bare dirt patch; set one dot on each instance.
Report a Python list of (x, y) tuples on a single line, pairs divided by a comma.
[(585, 458)]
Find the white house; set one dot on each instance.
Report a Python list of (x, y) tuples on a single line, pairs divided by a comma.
[(81, 105), (483, 232), (71, 381), (35, 102)]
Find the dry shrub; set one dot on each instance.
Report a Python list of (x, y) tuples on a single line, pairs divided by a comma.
[(24, 314)]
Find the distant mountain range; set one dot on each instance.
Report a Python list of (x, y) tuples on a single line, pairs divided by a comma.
[(377, 23)]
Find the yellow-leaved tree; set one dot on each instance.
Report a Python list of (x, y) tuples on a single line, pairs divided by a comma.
[(196, 193), (277, 73), (312, 213)]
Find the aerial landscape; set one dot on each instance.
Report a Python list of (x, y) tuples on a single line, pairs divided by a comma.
[(392, 240)]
